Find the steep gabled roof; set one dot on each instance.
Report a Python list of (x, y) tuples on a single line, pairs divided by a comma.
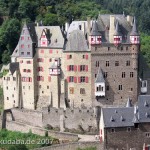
[(31, 29), (100, 77), (76, 42), (13, 67)]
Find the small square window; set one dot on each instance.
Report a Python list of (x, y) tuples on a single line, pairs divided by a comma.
[(47, 87), (22, 53), (28, 53), (128, 129)]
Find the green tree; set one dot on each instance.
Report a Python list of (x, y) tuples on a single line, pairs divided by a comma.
[(18, 147)]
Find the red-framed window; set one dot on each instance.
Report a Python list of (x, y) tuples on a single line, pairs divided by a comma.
[(49, 78), (83, 79), (40, 69), (21, 61), (22, 45), (40, 59), (28, 62), (40, 78), (22, 38)]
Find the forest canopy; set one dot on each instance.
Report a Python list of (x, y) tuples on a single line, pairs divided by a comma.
[(13, 13)]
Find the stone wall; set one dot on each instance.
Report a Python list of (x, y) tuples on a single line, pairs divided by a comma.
[(76, 120), (72, 119), (30, 117), (73, 146), (128, 139), (122, 54), (17, 126)]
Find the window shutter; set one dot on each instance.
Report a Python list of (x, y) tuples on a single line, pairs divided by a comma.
[(68, 79), (49, 78), (50, 51), (42, 69), (68, 68), (67, 56), (75, 68), (86, 67), (42, 78), (86, 79), (86, 56), (75, 79), (79, 68), (79, 79)]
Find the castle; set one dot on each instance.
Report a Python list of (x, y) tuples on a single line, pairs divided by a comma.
[(87, 64)]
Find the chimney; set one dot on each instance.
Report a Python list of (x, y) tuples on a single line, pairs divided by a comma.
[(130, 19), (112, 28), (89, 24), (66, 26), (83, 27)]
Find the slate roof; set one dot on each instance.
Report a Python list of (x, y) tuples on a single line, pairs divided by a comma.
[(134, 31), (13, 67), (104, 22), (127, 116), (56, 37), (99, 77), (16, 52), (53, 66), (75, 26), (31, 29), (117, 29), (95, 31), (118, 117), (144, 108), (76, 42)]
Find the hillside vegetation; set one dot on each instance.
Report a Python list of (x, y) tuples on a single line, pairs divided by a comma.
[(13, 13)]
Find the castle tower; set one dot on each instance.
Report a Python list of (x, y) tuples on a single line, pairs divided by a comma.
[(134, 35), (95, 37), (55, 83), (117, 35)]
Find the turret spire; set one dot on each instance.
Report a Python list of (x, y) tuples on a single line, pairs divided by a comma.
[(134, 31), (117, 30), (95, 31)]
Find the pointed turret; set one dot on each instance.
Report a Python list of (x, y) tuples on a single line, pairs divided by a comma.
[(129, 104), (100, 84), (100, 77), (117, 35), (134, 31), (134, 35), (95, 35)]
